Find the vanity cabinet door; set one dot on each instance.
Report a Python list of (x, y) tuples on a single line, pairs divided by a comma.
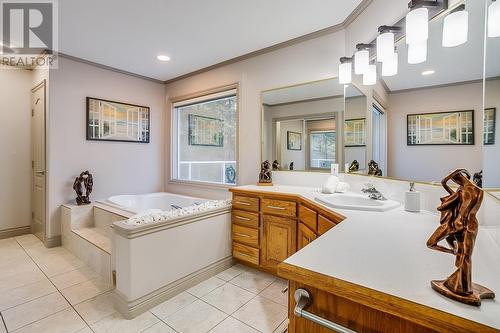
[(304, 236), (279, 240), (324, 224)]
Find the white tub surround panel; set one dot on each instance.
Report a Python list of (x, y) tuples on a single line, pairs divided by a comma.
[(154, 262), (387, 252)]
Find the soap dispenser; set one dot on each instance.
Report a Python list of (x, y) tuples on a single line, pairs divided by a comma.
[(412, 199)]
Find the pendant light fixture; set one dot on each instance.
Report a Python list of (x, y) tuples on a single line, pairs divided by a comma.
[(494, 19), (362, 58), (456, 27), (345, 70), (417, 25), (417, 33), (417, 52), (385, 42), (390, 65), (370, 76)]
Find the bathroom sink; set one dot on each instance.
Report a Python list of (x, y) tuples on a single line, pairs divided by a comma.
[(355, 201)]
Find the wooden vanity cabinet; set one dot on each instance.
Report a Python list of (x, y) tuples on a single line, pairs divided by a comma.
[(267, 228), (278, 241)]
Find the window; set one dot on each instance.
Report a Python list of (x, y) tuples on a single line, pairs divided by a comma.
[(489, 126), (204, 132), (322, 149)]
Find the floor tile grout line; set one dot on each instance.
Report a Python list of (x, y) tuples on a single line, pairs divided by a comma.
[(161, 321), (70, 305), (3, 322)]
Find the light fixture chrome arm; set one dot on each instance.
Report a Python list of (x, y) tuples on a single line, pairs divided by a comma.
[(302, 300)]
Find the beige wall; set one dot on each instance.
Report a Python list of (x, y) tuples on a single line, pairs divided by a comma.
[(15, 147), (118, 168), (308, 61), (432, 163)]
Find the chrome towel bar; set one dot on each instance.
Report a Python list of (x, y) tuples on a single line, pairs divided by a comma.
[(302, 300)]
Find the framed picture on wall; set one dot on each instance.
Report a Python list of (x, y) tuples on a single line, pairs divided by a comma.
[(293, 140), (355, 132), (489, 126), (442, 128), (116, 121), (205, 131)]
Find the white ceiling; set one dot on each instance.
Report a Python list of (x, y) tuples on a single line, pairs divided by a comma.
[(308, 91), (451, 65), (129, 34)]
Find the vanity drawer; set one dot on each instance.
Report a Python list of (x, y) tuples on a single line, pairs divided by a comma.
[(245, 218), (279, 207), (249, 236), (246, 203), (309, 217), (246, 253), (324, 224)]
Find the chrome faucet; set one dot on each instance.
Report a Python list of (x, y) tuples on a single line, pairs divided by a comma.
[(372, 192)]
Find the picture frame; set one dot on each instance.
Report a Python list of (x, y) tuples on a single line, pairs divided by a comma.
[(449, 128), (205, 131), (293, 140), (489, 126), (113, 121), (355, 132)]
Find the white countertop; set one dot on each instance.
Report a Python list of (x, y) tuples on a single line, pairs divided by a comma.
[(387, 252)]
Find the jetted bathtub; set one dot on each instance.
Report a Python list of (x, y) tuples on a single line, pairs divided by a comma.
[(156, 261), (152, 201)]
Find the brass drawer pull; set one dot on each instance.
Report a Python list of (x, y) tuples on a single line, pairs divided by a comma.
[(276, 207), (302, 300), (242, 218), (244, 203), (241, 235)]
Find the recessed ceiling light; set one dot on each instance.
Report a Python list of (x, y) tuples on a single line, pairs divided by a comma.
[(163, 57), (429, 72)]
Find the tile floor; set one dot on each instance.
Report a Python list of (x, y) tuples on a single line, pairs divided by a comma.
[(51, 290)]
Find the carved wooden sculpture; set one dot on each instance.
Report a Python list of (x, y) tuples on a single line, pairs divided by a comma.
[(84, 180), (265, 176), (459, 226), (354, 166), (373, 169)]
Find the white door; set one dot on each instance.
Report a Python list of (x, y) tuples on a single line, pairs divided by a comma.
[(38, 160)]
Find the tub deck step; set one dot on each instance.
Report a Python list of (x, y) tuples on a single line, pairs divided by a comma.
[(95, 236)]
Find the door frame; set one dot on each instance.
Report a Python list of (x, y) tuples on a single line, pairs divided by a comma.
[(42, 84)]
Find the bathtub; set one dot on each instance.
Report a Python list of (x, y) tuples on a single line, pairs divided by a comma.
[(154, 262), (152, 201)]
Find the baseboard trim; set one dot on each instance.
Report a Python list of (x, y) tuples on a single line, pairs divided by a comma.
[(132, 309), (14, 232), (52, 241)]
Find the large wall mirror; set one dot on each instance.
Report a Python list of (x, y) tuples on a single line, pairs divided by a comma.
[(302, 125), (418, 125)]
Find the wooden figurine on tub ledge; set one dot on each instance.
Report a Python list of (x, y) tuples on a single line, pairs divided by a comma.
[(265, 175), (85, 179), (459, 227)]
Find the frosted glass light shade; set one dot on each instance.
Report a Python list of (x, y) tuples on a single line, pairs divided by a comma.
[(390, 65), (370, 76), (417, 52), (456, 29), (385, 46), (361, 61), (494, 19), (417, 25), (345, 73)]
